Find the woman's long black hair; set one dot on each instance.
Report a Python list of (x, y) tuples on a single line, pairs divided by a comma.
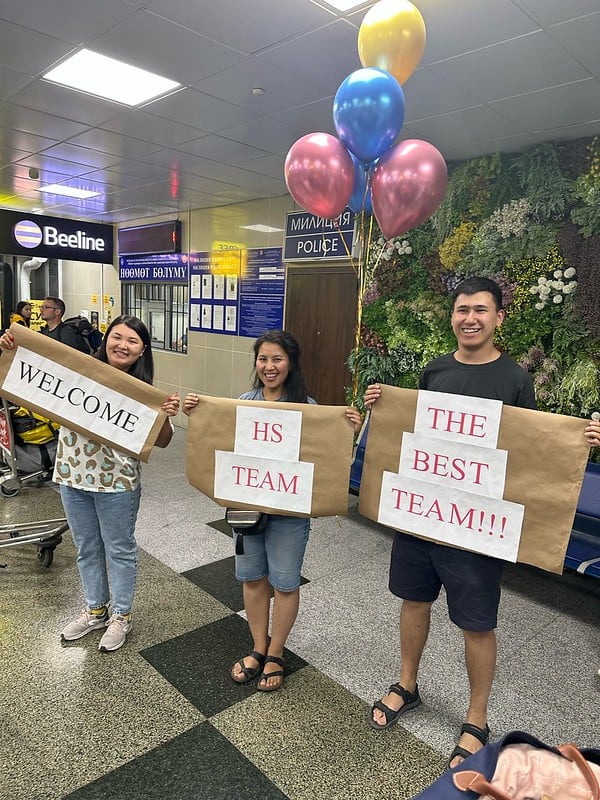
[(143, 368), (20, 306), (295, 390)]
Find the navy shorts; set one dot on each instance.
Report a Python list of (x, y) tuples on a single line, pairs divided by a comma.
[(419, 568)]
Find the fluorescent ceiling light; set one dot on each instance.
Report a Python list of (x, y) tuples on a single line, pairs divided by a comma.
[(106, 77), (68, 191), (261, 228), (345, 5)]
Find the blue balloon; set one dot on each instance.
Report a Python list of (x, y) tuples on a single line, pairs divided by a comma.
[(368, 112), (360, 199)]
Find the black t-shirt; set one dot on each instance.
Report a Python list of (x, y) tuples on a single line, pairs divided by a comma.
[(502, 379), (67, 335)]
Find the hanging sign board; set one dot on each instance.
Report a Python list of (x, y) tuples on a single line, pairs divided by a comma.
[(23, 233), (311, 238)]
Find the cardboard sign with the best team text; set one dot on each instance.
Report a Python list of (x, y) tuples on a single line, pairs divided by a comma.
[(286, 458), (81, 392), (475, 474)]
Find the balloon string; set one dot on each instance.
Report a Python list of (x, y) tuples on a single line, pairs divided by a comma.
[(363, 273)]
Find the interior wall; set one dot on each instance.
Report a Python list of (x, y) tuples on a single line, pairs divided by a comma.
[(215, 364), (85, 286)]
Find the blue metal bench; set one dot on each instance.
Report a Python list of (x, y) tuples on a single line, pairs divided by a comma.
[(583, 551)]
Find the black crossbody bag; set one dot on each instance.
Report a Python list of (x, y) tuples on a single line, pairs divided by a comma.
[(244, 522)]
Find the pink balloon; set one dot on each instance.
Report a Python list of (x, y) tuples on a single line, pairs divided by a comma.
[(319, 174), (408, 185)]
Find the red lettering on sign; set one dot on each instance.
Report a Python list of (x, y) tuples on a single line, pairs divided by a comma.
[(441, 465), (267, 432), (272, 481), (449, 420)]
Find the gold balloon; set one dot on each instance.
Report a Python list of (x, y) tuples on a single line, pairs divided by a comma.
[(392, 37)]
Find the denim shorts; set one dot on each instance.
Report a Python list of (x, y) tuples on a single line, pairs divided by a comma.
[(277, 553), (419, 568)]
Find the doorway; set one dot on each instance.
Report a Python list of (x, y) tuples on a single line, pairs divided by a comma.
[(320, 311)]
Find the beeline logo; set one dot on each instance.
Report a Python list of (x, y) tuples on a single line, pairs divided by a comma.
[(29, 234)]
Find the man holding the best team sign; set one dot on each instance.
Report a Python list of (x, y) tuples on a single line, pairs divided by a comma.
[(420, 567)]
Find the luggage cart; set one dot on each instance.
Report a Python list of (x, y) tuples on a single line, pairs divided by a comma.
[(46, 534), (20, 462)]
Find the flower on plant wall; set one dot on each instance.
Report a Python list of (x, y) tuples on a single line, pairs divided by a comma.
[(452, 248), (510, 220)]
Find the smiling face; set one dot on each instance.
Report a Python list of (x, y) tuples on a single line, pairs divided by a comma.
[(123, 347), (474, 322), (272, 368)]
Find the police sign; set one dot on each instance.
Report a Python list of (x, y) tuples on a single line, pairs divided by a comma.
[(22, 233), (308, 237)]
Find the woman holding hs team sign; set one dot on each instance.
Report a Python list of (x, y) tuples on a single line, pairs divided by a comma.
[(273, 558), (100, 490)]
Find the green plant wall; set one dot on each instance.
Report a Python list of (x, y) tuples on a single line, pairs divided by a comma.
[(530, 221)]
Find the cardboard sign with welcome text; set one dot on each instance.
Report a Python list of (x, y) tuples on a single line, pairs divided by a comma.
[(81, 392), (282, 458), (474, 474)]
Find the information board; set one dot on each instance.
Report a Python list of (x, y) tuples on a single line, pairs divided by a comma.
[(240, 296)]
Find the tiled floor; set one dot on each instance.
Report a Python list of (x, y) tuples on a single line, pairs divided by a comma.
[(161, 718)]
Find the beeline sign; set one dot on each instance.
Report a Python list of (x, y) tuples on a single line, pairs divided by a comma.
[(53, 237), (78, 239)]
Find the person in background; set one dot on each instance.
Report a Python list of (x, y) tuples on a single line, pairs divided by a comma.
[(272, 560), (22, 315), (100, 490), (52, 312)]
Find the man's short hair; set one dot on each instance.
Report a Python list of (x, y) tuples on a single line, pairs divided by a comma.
[(474, 285), (58, 303)]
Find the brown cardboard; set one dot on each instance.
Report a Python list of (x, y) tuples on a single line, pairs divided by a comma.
[(546, 463), (326, 441), (91, 368)]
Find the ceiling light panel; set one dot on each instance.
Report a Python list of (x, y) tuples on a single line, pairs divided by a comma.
[(106, 77)]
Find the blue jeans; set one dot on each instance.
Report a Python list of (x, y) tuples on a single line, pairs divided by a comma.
[(103, 526)]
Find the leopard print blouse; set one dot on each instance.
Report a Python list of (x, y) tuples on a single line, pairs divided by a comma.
[(84, 464)]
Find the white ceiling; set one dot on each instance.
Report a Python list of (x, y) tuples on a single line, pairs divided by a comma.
[(495, 75)]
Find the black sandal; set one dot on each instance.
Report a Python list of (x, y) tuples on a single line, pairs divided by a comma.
[(247, 674), (278, 673), (411, 700), (481, 734)]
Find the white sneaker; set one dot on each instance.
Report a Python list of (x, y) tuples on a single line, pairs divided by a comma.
[(84, 623), (116, 632)]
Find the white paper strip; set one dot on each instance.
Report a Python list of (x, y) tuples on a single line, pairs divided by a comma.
[(485, 525), (79, 400), (457, 418), (284, 485), (460, 466)]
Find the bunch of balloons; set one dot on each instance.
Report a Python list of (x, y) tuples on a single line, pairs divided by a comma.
[(363, 167)]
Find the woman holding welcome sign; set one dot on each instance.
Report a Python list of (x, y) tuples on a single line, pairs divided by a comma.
[(100, 490), (272, 559)]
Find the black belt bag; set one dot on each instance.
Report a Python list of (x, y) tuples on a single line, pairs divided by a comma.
[(244, 522)]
